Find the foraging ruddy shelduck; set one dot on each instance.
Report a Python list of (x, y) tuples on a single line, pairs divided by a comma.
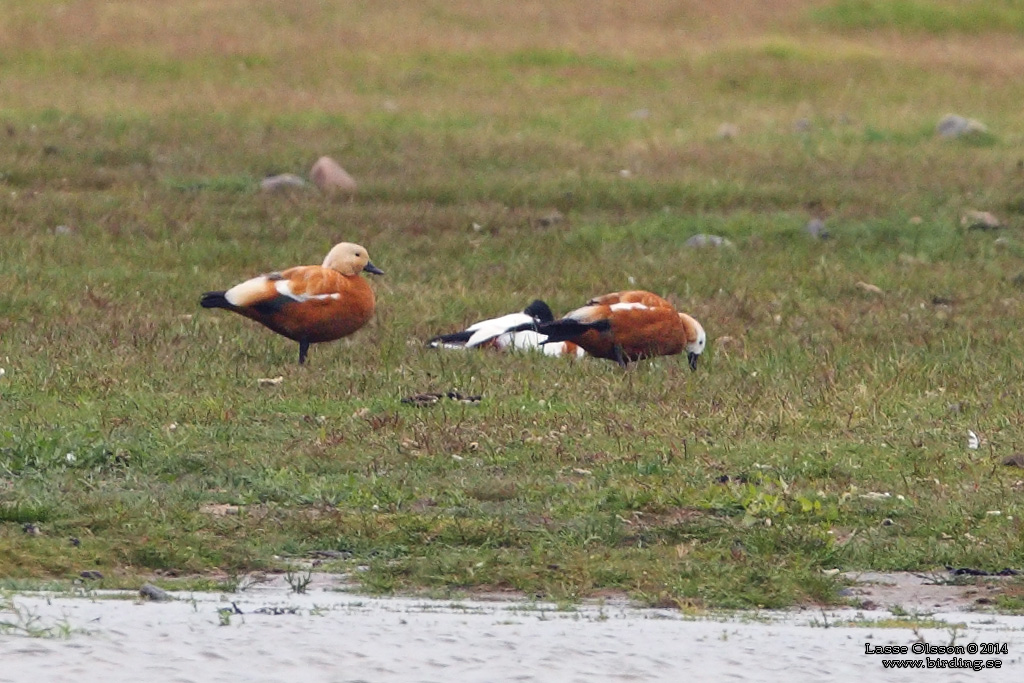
[(512, 332), (628, 326), (307, 304)]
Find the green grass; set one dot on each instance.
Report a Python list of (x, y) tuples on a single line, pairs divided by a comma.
[(734, 486), (940, 18)]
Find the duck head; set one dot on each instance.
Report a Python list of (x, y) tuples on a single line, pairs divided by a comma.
[(350, 259)]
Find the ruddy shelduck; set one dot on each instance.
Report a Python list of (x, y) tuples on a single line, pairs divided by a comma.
[(512, 332), (629, 326), (307, 304)]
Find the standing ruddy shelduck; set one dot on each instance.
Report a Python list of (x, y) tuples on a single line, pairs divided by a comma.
[(512, 332), (307, 304), (628, 326)]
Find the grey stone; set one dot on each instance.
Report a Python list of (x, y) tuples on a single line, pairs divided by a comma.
[(816, 229), (705, 240), (550, 219), (956, 126), (979, 220), (282, 182), (151, 592), (727, 131), (331, 178)]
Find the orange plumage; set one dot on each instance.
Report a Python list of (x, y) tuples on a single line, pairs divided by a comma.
[(629, 326), (307, 304)]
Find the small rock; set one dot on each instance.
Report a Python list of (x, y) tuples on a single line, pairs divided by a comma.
[(727, 131), (429, 399), (625, 173), (331, 178), (2, 372), (1001, 242), (282, 182), (816, 229), (1015, 460), (63, 230), (331, 554), (423, 399), (423, 504), (553, 218), (276, 611), (705, 240), (219, 509), (979, 220), (869, 288), (955, 126), (151, 592), (91, 574)]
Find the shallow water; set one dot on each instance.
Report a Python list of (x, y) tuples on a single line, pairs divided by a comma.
[(338, 636)]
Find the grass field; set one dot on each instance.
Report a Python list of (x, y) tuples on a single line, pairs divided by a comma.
[(826, 428)]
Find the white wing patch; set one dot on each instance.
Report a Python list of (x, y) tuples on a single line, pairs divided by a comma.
[(587, 314), (561, 349), (524, 340), (486, 330), (633, 306), (284, 288), (248, 292), (501, 324)]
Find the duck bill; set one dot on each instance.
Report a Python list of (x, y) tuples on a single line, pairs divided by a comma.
[(692, 358), (370, 268)]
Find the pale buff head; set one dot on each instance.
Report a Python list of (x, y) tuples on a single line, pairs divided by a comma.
[(350, 259), (695, 339)]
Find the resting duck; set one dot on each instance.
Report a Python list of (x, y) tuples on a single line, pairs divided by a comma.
[(628, 326), (512, 332), (307, 304)]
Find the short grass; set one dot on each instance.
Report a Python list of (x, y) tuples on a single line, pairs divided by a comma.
[(826, 427)]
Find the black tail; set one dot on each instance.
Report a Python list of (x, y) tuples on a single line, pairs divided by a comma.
[(454, 339), (539, 311), (214, 300), (568, 329), (565, 329)]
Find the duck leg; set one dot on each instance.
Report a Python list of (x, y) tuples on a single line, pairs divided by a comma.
[(619, 357), (303, 350)]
